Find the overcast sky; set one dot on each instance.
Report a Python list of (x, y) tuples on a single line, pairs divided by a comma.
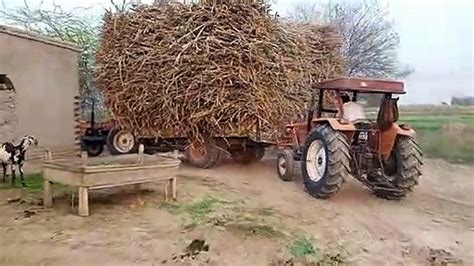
[(435, 35)]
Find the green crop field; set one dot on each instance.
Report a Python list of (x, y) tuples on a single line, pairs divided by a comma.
[(434, 122), (443, 132)]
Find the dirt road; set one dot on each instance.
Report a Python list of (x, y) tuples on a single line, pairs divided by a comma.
[(248, 216)]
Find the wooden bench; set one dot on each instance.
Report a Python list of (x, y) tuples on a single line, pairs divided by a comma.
[(106, 172)]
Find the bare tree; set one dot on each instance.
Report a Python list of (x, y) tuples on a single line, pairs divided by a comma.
[(370, 40), (306, 12)]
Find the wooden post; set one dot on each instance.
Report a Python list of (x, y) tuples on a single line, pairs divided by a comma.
[(47, 194), (72, 200), (83, 201), (173, 188), (166, 191), (141, 154), (48, 156), (47, 188), (84, 158)]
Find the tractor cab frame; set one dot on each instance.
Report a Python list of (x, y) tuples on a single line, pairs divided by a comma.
[(366, 148)]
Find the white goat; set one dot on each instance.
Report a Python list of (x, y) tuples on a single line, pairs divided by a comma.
[(15, 155)]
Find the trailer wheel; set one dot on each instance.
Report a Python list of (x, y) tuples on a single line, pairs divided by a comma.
[(94, 149), (250, 155), (286, 165), (325, 162), (202, 156), (121, 141)]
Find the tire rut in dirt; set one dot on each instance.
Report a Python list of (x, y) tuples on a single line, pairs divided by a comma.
[(336, 148)]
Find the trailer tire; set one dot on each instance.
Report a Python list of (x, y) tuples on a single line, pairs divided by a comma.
[(121, 141), (202, 156), (286, 165), (325, 162)]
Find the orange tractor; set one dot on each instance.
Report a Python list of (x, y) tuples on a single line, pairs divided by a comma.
[(339, 141)]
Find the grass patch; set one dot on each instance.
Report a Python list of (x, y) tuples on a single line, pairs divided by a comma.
[(302, 246), (254, 229), (458, 148), (198, 211), (437, 141), (34, 186), (34, 183)]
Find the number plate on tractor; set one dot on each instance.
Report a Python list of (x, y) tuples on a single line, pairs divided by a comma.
[(363, 136)]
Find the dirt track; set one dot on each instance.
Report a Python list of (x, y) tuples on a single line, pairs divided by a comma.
[(433, 225)]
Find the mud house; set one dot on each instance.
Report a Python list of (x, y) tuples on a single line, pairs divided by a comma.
[(44, 73)]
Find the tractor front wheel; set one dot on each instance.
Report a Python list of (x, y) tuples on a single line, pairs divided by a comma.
[(325, 161), (403, 169)]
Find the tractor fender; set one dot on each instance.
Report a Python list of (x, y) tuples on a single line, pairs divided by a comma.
[(389, 137), (405, 130), (335, 124)]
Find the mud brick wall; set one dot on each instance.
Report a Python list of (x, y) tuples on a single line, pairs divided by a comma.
[(46, 78), (8, 118)]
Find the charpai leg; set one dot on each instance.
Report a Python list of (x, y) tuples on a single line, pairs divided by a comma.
[(47, 194), (173, 188), (166, 191), (83, 201)]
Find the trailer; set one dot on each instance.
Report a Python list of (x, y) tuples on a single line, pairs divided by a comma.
[(242, 149), (205, 154)]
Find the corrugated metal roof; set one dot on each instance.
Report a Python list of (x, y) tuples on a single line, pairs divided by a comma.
[(39, 38)]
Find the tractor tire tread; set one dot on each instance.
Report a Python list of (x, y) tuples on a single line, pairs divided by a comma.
[(290, 165), (338, 162), (410, 162)]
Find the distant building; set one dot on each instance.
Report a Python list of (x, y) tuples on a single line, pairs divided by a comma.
[(45, 76)]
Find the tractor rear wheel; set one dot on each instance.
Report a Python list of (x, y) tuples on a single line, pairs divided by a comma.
[(403, 169), (120, 141), (203, 155), (325, 161), (286, 165)]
